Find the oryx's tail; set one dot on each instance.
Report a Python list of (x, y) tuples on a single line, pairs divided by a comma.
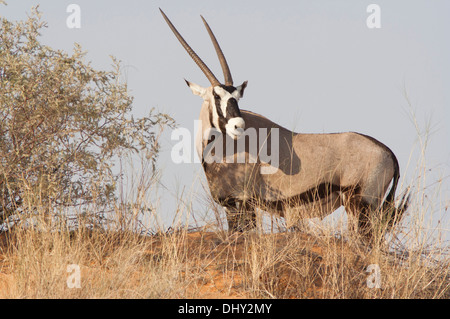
[(391, 213)]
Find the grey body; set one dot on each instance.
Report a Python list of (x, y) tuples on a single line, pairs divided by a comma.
[(317, 173)]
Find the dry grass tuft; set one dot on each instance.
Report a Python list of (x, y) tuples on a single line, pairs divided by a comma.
[(199, 264)]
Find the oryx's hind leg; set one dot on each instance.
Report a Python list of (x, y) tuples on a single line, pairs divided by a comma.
[(357, 212), (358, 217), (371, 198), (362, 206), (240, 217)]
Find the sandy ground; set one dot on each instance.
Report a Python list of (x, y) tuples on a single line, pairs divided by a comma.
[(283, 265)]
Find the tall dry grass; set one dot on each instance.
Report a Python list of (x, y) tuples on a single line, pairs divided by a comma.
[(111, 264), (117, 261), (45, 253)]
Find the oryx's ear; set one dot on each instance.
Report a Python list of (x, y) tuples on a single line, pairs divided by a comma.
[(241, 88), (196, 89)]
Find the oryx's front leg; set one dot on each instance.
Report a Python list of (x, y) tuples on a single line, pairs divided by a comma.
[(240, 217)]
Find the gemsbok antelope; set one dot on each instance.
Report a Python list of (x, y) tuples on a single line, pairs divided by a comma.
[(314, 173)]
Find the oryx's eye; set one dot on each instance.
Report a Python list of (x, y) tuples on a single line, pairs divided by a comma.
[(216, 96)]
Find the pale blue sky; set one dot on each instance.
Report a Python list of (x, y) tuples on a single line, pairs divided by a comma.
[(312, 66)]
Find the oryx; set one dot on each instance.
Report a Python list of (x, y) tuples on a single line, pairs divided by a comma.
[(315, 173)]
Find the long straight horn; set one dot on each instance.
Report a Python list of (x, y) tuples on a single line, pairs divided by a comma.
[(194, 56), (223, 61)]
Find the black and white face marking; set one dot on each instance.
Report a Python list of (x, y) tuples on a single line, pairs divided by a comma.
[(226, 114), (223, 100)]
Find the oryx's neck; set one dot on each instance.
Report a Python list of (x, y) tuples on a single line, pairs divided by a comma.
[(204, 127)]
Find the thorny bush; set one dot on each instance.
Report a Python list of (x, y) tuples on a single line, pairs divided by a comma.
[(62, 125)]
